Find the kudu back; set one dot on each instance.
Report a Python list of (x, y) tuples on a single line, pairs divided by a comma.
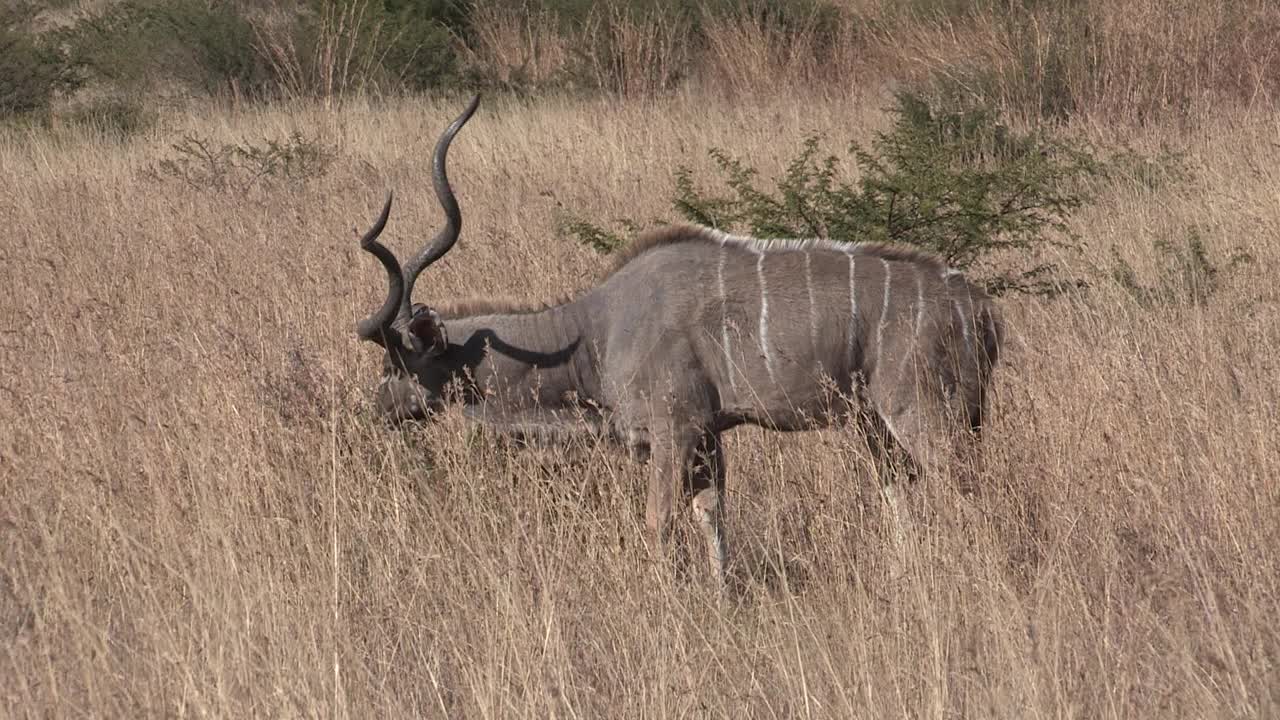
[(692, 333)]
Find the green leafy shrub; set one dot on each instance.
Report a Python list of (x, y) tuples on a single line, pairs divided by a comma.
[(959, 184), (32, 73), (420, 50), (203, 165), (1166, 168), (595, 237), (1186, 273), (114, 117), (206, 45), (336, 47)]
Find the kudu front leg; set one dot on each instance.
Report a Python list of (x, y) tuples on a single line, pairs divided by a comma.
[(706, 481), (693, 466), (664, 482)]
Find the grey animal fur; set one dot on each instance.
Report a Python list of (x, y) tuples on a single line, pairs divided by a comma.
[(695, 332)]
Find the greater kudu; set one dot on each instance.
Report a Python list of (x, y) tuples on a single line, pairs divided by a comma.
[(694, 332)]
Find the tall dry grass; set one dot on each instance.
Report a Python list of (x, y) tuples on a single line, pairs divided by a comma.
[(1131, 61), (201, 516), (1121, 61)]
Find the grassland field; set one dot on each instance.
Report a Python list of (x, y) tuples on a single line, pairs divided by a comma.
[(200, 514)]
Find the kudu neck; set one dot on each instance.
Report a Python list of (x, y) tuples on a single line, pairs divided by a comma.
[(528, 359)]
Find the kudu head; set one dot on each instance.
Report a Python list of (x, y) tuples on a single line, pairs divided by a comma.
[(416, 367)]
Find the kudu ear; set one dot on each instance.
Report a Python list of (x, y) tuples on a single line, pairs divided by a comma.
[(428, 329)]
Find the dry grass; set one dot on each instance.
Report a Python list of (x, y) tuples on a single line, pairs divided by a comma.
[(1128, 61), (1131, 61), (200, 516)]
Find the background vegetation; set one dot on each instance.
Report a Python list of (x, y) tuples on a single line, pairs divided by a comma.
[(200, 513), (1125, 60)]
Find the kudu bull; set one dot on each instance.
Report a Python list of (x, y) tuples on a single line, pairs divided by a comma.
[(695, 332)]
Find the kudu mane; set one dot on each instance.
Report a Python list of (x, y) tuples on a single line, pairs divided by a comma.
[(678, 234), (684, 233)]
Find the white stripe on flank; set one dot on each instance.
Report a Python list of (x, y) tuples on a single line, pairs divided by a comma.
[(915, 334), (965, 334), (853, 316), (969, 318), (919, 302), (764, 315), (988, 322), (964, 322), (724, 324), (884, 314), (813, 307)]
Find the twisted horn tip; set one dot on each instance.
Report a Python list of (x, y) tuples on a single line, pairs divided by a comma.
[(370, 237)]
